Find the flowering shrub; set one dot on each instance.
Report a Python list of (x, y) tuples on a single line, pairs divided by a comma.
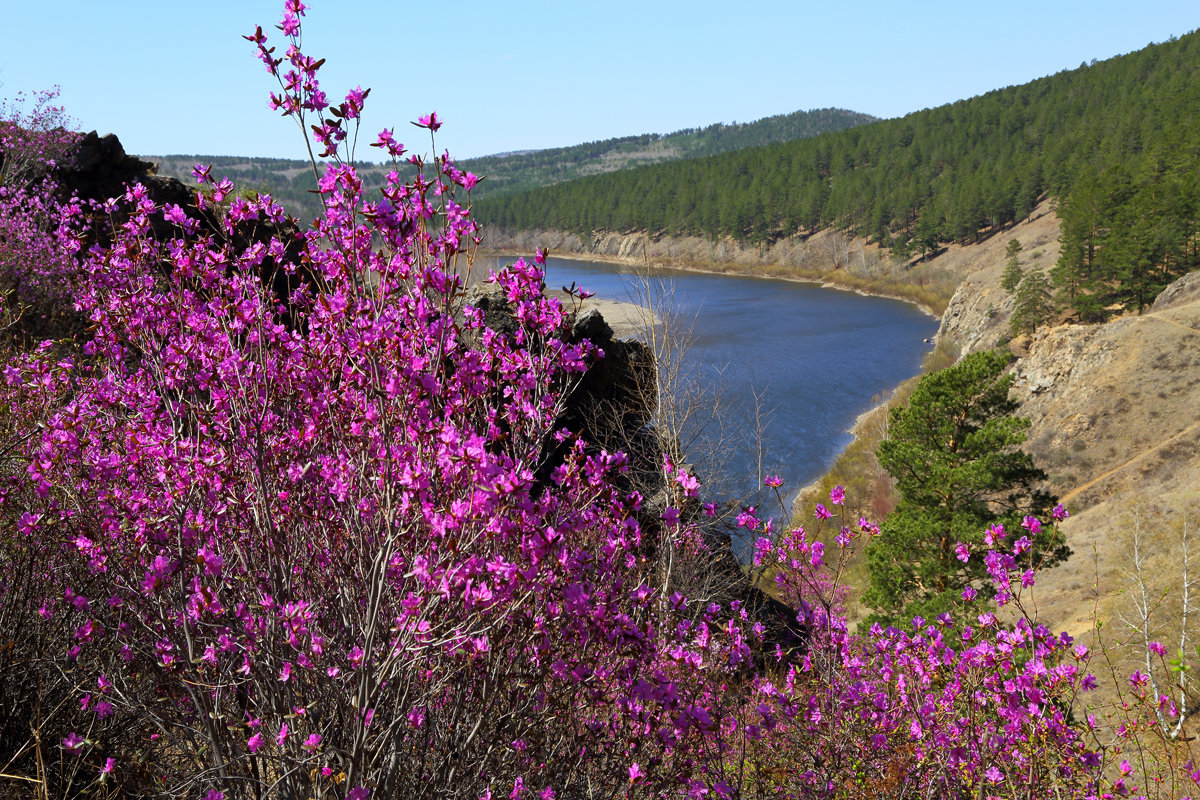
[(37, 265), (325, 536), (301, 539), (33, 142)]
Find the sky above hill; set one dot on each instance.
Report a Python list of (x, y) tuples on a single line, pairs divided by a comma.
[(525, 74)]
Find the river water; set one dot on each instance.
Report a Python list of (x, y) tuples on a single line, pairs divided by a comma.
[(796, 360)]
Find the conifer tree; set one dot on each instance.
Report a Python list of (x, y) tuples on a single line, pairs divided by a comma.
[(1034, 304), (954, 453), (1012, 267)]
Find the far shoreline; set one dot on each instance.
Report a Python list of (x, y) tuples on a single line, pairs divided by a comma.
[(824, 283)]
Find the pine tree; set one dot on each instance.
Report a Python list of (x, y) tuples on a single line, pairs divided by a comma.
[(1034, 304), (954, 453), (1012, 267)]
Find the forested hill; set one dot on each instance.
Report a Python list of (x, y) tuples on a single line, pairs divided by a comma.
[(517, 171), (1118, 142), (290, 181)]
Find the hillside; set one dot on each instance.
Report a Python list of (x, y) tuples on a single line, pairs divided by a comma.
[(1113, 142), (290, 181), (1114, 409), (1115, 421)]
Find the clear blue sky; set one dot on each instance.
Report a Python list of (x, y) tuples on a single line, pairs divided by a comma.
[(506, 75)]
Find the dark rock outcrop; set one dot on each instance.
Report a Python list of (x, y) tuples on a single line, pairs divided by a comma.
[(99, 168)]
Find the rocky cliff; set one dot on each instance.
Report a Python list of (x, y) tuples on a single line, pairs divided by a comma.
[(1115, 421)]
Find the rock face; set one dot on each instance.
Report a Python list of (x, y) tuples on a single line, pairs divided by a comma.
[(1180, 293), (100, 169), (977, 316), (1114, 412)]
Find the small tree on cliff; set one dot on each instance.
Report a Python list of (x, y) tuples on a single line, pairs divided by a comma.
[(1034, 305), (954, 455), (1012, 267)]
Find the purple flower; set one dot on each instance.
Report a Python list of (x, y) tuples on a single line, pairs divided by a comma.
[(354, 101), (746, 519), (635, 773), (837, 495), (821, 512), (254, 743), (73, 743), (689, 483), (962, 553), (1060, 513), (430, 121)]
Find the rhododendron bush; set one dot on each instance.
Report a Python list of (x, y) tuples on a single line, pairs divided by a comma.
[(293, 521)]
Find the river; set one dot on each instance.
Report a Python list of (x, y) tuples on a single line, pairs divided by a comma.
[(801, 359)]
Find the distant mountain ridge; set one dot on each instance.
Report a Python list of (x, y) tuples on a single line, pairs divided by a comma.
[(289, 180)]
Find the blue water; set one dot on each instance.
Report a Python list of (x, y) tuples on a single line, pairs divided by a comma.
[(815, 358)]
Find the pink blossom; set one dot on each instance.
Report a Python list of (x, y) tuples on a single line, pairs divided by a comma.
[(430, 121)]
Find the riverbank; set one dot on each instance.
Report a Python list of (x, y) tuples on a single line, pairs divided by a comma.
[(628, 320), (930, 304)]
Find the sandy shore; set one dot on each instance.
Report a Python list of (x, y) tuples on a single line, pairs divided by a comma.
[(626, 319)]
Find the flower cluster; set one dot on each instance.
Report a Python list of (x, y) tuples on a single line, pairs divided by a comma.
[(301, 520)]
